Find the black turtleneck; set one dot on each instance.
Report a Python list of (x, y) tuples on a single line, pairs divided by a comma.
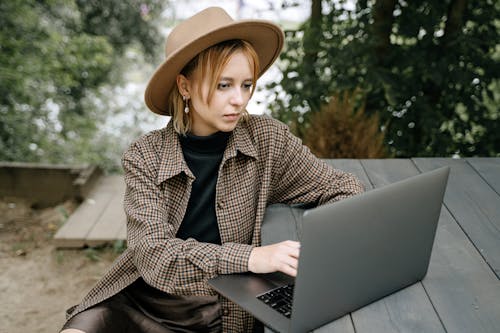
[(203, 155)]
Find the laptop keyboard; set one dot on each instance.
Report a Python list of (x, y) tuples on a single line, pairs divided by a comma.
[(279, 299)]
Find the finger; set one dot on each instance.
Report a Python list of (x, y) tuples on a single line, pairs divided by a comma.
[(289, 250), (294, 253), (289, 270), (292, 262)]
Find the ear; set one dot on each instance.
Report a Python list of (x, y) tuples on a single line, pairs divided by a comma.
[(182, 85)]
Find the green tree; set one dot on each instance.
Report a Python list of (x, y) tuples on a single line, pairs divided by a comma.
[(429, 68), (55, 55)]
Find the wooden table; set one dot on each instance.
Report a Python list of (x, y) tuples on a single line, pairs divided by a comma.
[(461, 292)]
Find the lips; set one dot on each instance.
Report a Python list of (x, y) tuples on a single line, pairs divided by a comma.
[(232, 116)]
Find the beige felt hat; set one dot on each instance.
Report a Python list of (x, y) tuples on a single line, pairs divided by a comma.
[(197, 33)]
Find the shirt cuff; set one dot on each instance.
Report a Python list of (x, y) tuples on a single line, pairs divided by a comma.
[(234, 258)]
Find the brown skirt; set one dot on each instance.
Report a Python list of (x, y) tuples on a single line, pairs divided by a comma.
[(142, 308)]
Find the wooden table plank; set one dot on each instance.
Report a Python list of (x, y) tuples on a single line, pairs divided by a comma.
[(462, 287), (74, 232), (382, 172), (409, 310), (489, 169), (109, 224), (473, 204), (281, 224), (352, 166), (341, 325)]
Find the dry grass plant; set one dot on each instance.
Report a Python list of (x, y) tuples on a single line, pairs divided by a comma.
[(342, 130)]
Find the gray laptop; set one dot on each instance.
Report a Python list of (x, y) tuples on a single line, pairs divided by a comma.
[(353, 252)]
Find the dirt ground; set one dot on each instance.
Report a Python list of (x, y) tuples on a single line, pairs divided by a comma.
[(37, 281)]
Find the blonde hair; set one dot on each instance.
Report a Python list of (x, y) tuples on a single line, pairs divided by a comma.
[(209, 64)]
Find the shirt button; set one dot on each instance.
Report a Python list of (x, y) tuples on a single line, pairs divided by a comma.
[(220, 204), (225, 312)]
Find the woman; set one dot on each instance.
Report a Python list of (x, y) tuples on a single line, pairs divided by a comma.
[(197, 189)]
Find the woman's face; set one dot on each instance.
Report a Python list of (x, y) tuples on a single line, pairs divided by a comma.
[(231, 97)]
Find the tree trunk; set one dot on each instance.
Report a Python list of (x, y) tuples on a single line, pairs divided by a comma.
[(452, 29), (312, 37), (454, 21), (383, 19)]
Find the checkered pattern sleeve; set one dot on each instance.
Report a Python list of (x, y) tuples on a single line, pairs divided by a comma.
[(154, 212), (300, 177)]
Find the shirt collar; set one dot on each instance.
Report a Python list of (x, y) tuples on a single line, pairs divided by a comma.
[(240, 141), (172, 160)]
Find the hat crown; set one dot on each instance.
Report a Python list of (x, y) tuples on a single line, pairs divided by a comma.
[(195, 27), (200, 32)]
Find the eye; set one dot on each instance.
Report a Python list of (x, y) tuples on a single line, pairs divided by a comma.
[(247, 86), (223, 85)]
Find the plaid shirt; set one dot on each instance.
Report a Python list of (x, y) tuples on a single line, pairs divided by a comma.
[(263, 164)]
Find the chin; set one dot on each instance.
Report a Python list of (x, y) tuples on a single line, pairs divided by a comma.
[(227, 128)]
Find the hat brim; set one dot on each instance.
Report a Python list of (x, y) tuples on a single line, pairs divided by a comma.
[(266, 38)]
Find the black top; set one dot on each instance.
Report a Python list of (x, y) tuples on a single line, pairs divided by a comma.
[(203, 156)]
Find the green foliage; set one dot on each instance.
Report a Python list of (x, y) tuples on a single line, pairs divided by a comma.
[(93, 254), (429, 68), (122, 22), (119, 246), (56, 56), (97, 253)]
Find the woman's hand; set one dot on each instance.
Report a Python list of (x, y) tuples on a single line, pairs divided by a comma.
[(282, 257)]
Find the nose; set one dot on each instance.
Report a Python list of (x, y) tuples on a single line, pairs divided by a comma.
[(237, 97)]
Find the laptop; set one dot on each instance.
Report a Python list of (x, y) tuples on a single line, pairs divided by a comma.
[(353, 252)]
